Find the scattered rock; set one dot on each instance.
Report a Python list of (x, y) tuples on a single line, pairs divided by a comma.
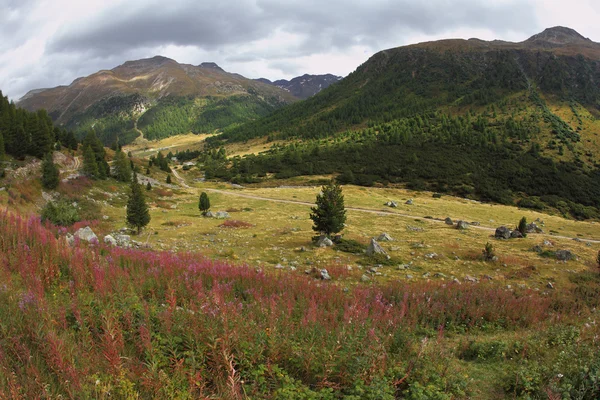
[(105, 217), (516, 234), (431, 255), (426, 275), (108, 239), (86, 234), (123, 240), (324, 241), (209, 214), (365, 278), (502, 232), (279, 266), (415, 228), (470, 278), (325, 275), (565, 255), (548, 243), (462, 225), (375, 248), (550, 285), (384, 237), (221, 215), (533, 228), (456, 281), (409, 202), (537, 248), (448, 221), (474, 223), (409, 276), (439, 275)]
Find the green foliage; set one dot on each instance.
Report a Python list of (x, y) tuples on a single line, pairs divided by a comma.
[(522, 227), (138, 215), (204, 203), (485, 351), (350, 246), (50, 173), (90, 167), (101, 170), (329, 215), (61, 213), (168, 181), (122, 167), (488, 252)]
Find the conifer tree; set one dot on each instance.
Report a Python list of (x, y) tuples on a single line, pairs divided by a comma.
[(329, 215), (2, 148), (204, 203), (90, 168), (50, 174), (122, 167), (169, 179), (523, 226), (138, 215), (148, 186)]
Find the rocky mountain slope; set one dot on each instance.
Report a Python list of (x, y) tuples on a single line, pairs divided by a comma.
[(304, 86), (159, 97)]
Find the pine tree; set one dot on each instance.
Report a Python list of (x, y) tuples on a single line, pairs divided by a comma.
[(2, 149), (523, 226), (122, 167), (169, 179), (90, 167), (138, 215), (50, 174), (329, 215), (204, 203), (148, 186)]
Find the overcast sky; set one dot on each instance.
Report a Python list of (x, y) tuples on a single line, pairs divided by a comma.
[(45, 43)]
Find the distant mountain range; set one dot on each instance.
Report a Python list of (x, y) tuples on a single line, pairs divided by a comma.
[(304, 86), (157, 97)]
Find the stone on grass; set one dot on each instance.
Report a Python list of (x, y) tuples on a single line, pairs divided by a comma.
[(325, 275), (516, 234), (502, 232), (221, 215), (324, 241), (108, 239), (375, 248), (462, 225), (565, 255), (448, 221), (365, 278), (86, 234), (384, 237), (209, 214), (409, 202)]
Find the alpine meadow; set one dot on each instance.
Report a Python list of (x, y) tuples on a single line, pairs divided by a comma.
[(425, 227)]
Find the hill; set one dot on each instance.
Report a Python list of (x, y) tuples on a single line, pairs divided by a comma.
[(494, 120), (304, 86), (156, 97)]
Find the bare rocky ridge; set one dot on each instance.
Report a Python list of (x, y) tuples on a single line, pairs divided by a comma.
[(304, 86)]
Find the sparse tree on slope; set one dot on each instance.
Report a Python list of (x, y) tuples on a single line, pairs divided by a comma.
[(204, 204), (138, 215), (50, 174), (122, 167), (90, 167), (329, 215)]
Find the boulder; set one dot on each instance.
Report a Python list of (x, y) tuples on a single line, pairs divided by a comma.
[(537, 248), (516, 234), (365, 278), (393, 204), (325, 275), (375, 248), (471, 279), (564, 255), (475, 223), (409, 202), (533, 228), (502, 232), (462, 225), (384, 237), (221, 215), (437, 196), (108, 239), (449, 221), (123, 240), (550, 285), (86, 234), (324, 241), (209, 214)]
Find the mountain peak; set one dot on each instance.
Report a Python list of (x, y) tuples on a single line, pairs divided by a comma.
[(155, 61), (210, 65), (558, 35)]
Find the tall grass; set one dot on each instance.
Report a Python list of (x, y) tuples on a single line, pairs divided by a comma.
[(94, 321)]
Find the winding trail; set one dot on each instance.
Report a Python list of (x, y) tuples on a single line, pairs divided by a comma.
[(378, 212)]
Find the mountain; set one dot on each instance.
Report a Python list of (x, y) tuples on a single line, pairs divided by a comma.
[(304, 86), (157, 96), (492, 120)]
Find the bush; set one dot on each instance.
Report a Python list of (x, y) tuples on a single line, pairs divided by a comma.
[(350, 246), (60, 213)]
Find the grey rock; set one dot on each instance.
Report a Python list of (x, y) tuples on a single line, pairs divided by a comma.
[(471, 279), (431, 255), (365, 278), (547, 243), (533, 228), (409, 202), (86, 234), (565, 255), (324, 241), (375, 248), (462, 225), (409, 276), (108, 239), (448, 221), (279, 266), (502, 232), (384, 237), (455, 280), (325, 275), (221, 215), (537, 248), (426, 275), (209, 214), (475, 223), (439, 275), (550, 285), (516, 234)]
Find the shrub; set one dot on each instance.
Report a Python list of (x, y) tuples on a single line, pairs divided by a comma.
[(350, 246), (488, 252), (60, 213)]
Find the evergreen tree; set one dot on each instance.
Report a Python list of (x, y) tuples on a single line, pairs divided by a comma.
[(71, 141), (329, 215), (523, 226), (148, 186), (138, 215), (50, 174), (122, 167), (169, 179), (204, 203), (99, 153), (2, 149), (90, 167)]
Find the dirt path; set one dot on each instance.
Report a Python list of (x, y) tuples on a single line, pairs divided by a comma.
[(379, 212), (180, 179)]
